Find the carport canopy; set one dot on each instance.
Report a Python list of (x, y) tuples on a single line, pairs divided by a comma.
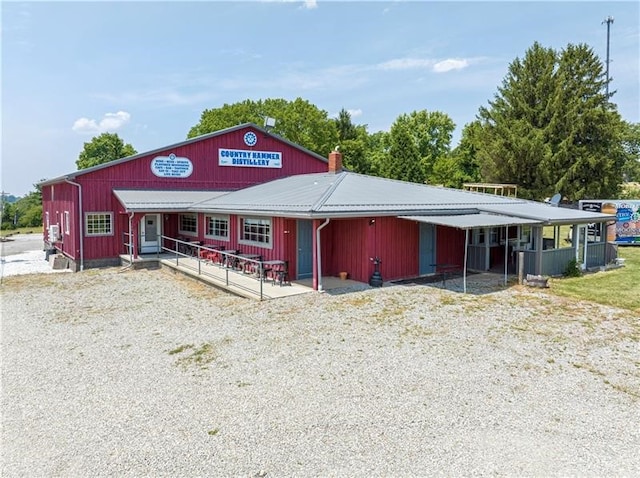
[(472, 221)]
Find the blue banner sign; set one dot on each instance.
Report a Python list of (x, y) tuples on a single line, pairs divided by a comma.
[(249, 158)]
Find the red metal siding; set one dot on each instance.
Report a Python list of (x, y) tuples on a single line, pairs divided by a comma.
[(449, 245), (97, 186), (397, 246), (57, 199), (349, 244)]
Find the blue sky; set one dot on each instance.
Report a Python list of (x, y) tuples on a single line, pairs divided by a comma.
[(147, 70)]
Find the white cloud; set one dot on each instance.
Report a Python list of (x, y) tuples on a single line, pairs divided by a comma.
[(450, 64), (310, 4), (110, 122), (355, 113), (405, 64)]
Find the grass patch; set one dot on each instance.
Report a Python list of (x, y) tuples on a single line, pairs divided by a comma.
[(21, 230), (616, 288), (195, 356)]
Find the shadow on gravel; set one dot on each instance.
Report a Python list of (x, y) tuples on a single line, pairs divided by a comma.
[(477, 283)]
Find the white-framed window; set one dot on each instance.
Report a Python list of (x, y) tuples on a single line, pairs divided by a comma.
[(188, 224), (256, 231), (477, 236), (217, 227), (67, 221), (98, 223)]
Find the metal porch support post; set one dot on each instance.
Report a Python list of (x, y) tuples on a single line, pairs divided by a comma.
[(487, 249), (537, 237), (464, 266), (506, 253)]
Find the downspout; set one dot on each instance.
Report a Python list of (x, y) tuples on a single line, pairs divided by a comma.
[(318, 253), (80, 225)]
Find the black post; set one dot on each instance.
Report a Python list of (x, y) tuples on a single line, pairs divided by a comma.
[(376, 278)]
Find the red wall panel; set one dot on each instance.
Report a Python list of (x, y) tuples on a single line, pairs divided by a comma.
[(449, 245), (97, 186)]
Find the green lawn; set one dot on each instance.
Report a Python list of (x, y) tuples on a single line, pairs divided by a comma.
[(619, 287), (21, 230)]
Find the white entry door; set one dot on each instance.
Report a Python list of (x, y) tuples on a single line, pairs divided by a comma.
[(150, 234)]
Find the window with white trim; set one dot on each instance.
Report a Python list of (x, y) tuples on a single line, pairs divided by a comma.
[(66, 223), (188, 224), (255, 230), (217, 227), (99, 224)]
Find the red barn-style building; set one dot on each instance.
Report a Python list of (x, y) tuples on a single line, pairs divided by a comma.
[(246, 189)]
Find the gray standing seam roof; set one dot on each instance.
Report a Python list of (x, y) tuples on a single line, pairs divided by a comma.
[(347, 194), (140, 200), (472, 221)]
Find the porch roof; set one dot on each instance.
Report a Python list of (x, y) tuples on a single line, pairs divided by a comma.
[(142, 200), (472, 221)]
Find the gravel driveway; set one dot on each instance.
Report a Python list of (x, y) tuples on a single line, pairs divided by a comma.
[(145, 373)]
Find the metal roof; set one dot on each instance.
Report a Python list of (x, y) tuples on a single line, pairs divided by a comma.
[(138, 200), (548, 214), (348, 194), (176, 145), (471, 221)]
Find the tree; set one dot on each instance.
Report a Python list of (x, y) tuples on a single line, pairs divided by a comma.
[(297, 121), (431, 134), (403, 160), (346, 129), (550, 127), (631, 146), (102, 149), (25, 212)]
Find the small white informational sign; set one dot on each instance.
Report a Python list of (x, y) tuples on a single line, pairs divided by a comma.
[(171, 166)]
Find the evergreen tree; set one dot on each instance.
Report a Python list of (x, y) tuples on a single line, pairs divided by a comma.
[(550, 128), (403, 160)]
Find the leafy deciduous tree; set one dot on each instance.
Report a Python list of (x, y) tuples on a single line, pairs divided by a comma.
[(298, 121), (102, 149)]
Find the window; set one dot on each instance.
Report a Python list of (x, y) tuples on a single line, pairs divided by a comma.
[(99, 224), (217, 227), (477, 236), (256, 231), (188, 224), (494, 235), (46, 218), (66, 223)]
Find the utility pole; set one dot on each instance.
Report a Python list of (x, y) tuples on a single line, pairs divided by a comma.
[(608, 21)]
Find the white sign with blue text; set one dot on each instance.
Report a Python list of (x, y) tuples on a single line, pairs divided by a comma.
[(171, 166), (249, 158)]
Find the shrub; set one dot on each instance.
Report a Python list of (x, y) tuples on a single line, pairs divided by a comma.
[(573, 269)]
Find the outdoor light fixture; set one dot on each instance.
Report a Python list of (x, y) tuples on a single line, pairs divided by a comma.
[(269, 123)]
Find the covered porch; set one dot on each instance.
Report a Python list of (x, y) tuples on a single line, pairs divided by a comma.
[(238, 274)]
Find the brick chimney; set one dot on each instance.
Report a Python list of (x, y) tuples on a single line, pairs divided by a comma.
[(335, 161)]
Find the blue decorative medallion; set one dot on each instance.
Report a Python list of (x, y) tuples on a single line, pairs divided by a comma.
[(250, 138)]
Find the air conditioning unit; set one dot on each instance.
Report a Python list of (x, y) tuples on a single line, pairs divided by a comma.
[(54, 233)]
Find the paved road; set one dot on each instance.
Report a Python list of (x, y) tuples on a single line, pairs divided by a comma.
[(21, 243)]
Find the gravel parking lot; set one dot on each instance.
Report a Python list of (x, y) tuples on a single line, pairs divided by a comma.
[(145, 373)]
